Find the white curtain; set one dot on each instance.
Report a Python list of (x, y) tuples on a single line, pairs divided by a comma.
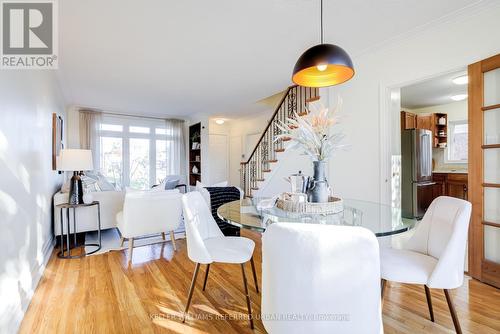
[(176, 152), (89, 134)]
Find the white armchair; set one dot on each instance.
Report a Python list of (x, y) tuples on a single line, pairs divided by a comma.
[(320, 270), (148, 212), (435, 255)]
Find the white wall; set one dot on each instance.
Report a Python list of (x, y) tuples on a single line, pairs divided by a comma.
[(456, 111), (242, 131), (27, 182), (364, 171)]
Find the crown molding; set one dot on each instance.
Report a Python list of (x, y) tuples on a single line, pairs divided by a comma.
[(455, 16)]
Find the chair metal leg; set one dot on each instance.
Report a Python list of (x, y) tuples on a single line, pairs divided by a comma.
[(452, 312), (247, 295), (122, 241), (172, 237), (130, 249), (206, 277), (163, 235), (254, 275), (429, 301), (191, 289), (383, 282)]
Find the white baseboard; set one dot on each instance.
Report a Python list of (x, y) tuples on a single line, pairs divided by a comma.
[(38, 270)]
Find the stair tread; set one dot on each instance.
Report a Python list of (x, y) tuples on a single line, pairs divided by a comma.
[(260, 180), (272, 160), (266, 170), (255, 188), (286, 139), (303, 113), (312, 99), (279, 150)]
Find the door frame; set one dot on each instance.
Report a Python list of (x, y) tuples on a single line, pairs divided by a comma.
[(387, 94), (479, 268)]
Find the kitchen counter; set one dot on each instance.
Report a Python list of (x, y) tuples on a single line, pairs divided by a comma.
[(450, 171)]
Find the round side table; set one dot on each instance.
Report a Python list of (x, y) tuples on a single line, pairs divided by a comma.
[(66, 254)]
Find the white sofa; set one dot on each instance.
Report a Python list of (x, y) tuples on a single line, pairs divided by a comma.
[(86, 218)]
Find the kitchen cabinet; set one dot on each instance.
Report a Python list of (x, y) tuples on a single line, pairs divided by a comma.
[(408, 120), (439, 188), (450, 184), (425, 122), (457, 186)]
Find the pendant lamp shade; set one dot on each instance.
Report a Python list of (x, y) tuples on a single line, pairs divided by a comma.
[(323, 65)]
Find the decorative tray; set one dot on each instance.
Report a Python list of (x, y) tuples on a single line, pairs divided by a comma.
[(286, 203)]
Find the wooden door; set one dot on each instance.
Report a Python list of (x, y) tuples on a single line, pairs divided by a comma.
[(484, 170)]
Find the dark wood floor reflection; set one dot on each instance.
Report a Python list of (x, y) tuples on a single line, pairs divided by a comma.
[(100, 294)]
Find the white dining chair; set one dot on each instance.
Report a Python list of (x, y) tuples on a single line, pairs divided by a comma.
[(149, 212), (320, 279), (206, 245), (435, 255)]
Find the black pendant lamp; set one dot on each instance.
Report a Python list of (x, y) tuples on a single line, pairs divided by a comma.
[(323, 65)]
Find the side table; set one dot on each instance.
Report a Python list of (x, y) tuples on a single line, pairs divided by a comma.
[(66, 254)]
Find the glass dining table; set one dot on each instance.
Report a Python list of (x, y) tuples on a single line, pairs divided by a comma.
[(382, 220)]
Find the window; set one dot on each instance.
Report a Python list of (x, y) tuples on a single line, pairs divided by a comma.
[(134, 151), (458, 133)]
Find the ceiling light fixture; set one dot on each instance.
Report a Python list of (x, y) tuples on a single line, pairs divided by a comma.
[(458, 97), (219, 121), (323, 65), (462, 80)]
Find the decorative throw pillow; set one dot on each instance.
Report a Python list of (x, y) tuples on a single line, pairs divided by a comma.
[(171, 184), (89, 184), (200, 185)]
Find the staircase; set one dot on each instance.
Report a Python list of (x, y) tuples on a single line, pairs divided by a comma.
[(264, 157)]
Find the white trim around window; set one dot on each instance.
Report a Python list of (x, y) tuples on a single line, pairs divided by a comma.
[(456, 128)]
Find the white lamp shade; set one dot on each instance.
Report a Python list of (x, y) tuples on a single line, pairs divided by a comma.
[(75, 160)]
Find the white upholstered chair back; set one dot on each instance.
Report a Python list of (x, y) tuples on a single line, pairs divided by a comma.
[(324, 270), (149, 212), (442, 234), (200, 225)]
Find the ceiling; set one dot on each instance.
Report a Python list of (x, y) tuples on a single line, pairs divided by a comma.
[(432, 92), (176, 58)]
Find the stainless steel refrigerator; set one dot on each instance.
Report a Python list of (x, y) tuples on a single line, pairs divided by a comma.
[(416, 172)]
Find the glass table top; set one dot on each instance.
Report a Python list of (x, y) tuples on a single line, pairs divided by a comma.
[(383, 220)]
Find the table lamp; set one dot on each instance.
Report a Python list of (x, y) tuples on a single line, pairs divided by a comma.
[(76, 161)]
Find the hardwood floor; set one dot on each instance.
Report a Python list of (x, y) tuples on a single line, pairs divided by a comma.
[(100, 294)]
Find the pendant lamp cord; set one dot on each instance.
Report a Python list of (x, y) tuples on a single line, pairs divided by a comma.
[(321, 20)]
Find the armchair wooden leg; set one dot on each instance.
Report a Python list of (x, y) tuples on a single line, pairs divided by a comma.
[(122, 241), (254, 275), (453, 313), (191, 289), (130, 249), (429, 302), (383, 282), (206, 277), (163, 235), (247, 295), (172, 237)]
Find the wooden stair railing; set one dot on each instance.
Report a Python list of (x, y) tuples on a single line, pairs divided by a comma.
[(264, 155)]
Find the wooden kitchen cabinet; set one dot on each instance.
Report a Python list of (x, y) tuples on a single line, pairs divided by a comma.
[(408, 120), (456, 185), (439, 189), (425, 122), (450, 184)]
